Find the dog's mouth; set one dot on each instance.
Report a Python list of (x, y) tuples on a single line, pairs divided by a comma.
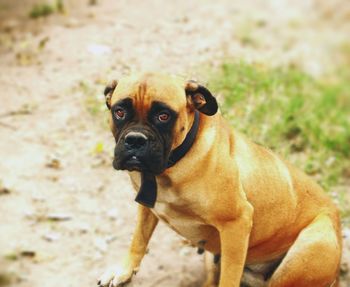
[(149, 159), (133, 163), (130, 163), (136, 163)]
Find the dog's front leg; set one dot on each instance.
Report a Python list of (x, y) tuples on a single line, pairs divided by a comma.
[(119, 275), (234, 237)]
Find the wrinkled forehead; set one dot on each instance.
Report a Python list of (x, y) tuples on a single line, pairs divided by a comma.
[(149, 88)]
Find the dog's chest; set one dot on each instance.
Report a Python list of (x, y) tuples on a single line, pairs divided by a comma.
[(178, 214)]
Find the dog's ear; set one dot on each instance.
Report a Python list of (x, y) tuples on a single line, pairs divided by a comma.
[(201, 98), (108, 92)]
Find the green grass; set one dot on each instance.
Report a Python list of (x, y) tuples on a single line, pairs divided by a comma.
[(306, 120), (41, 10), (45, 9)]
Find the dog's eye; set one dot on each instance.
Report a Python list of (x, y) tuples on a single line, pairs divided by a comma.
[(163, 117), (119, 114)]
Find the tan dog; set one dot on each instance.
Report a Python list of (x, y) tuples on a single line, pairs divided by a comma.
[(265, 222)]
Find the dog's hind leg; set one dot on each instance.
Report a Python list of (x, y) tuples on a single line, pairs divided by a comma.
[(313, 259), (212, 268)]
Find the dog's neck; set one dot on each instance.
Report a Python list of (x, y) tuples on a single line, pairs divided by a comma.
[(179, 152), (147, 194)]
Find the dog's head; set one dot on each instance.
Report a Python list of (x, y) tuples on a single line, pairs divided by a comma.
[(151, 115)]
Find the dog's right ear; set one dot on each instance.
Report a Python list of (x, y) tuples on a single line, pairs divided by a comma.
[(108, 92), (201, 98)]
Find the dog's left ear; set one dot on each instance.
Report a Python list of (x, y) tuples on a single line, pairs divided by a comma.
[(108, 92), (201, 98)]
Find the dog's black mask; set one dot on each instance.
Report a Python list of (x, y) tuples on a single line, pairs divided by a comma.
[(143, 141)]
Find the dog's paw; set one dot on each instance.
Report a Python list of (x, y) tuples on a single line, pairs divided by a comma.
[(116, 276)]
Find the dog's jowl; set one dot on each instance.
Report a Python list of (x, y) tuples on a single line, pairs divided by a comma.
[(259, 220)]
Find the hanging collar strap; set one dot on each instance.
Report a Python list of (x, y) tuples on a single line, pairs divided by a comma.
[(147, 194)]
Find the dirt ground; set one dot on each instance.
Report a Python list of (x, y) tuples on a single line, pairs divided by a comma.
[(65, 214)]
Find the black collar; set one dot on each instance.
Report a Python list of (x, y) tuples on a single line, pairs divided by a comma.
[(147, 194)]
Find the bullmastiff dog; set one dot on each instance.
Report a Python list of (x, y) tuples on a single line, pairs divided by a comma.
[(260, 221)]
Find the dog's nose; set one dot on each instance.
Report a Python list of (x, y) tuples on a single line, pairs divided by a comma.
[(135, 140)]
